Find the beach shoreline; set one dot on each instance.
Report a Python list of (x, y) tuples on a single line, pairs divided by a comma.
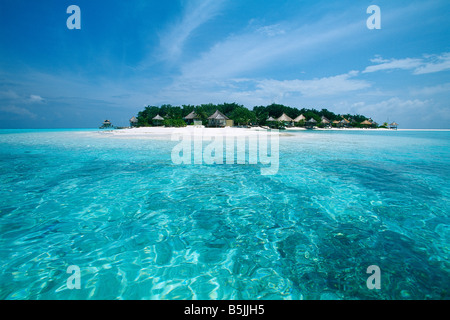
[(227, 131)]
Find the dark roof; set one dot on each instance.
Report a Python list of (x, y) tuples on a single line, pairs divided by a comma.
[(191, 116), (218, 116), (325, 120), (312, 120)]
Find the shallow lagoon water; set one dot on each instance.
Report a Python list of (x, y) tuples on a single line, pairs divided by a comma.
[(140, 227)]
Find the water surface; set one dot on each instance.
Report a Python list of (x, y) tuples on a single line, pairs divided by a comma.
[(141, 227)]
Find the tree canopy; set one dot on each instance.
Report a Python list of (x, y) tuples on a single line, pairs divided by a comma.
[(240, 114)]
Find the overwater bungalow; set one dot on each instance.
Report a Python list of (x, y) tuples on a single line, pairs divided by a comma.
[(158, 120), (192, 118), (218, 119), (133, 122), (393, 125), (286, 120), (106, 125)]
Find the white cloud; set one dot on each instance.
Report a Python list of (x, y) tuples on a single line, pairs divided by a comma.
[(18, 111), (271, 30), (35, 99), (441, 63), (263, 47), (438, 89), (326, 86), (404, 64), (427, 64), (197, 12)]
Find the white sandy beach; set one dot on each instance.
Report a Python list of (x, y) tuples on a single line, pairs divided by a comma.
[(164, 132)]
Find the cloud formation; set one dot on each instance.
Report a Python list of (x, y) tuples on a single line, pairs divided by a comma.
[(427, 64), (196, 13)]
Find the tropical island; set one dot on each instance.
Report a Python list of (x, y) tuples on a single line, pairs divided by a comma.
[(275, 116)]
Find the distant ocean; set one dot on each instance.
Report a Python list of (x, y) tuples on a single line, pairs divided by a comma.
[(140, 227)]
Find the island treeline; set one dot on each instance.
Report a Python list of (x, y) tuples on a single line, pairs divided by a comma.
[(259, 116)]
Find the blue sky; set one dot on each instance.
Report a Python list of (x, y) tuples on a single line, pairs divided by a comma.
[(129, 54)]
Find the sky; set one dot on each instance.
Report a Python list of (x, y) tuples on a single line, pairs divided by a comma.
[(303, 54)]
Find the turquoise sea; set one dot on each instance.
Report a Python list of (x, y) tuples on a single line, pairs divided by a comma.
[(140, 227)]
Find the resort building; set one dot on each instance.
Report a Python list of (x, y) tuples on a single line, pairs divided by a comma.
[(271, 122), (218, 119), (300, 118), (192, 118), (133, 122), (366, 123), (310, 123), (325, 122), (393, 125), (344, 123), (106, 124), (158, 120), (286, 120)]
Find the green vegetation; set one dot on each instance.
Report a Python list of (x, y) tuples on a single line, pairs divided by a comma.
[(241, 115), (174, 123)]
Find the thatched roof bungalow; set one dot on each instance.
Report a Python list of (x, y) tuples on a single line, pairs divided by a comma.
[(310, 123), (366, 123), (133, 122), (191, 118), (158, 120), (106, 124), (286, 119), (300, 118), (217, 119), (393, 125)]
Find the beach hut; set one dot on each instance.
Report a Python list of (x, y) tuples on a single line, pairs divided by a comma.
[(106, 124), (344, 123), (271, 122), (133, 122), (192, 118), (158, 120), (300, 118), (217, 119), (393, 125), (325, 122), (286, 120), (310, 123), (336, 123), (366, 123)]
